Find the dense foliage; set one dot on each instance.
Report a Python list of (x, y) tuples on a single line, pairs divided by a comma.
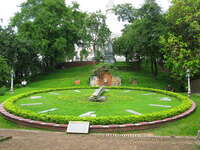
[(125, 12), (98, 33), (51, 27), (140, 38), (171, 38), (103, 67), (45, 33), (4, 71), (181, 45)]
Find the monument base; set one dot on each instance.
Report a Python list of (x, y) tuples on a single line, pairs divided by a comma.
[(109, 59)]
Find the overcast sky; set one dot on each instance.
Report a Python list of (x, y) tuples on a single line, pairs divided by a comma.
[(9, 7)]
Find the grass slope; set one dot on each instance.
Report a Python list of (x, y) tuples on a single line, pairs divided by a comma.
[(66, 77)]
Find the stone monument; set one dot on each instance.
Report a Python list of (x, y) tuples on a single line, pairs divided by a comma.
[(109, 56)]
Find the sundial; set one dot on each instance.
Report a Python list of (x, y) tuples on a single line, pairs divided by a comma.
[(90, 104), (96, 96)]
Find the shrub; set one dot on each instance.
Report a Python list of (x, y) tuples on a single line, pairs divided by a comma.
[(3, 90), (18, 85), (185, 105)]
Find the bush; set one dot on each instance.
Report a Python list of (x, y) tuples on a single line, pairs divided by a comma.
[(3, 90), (103, 67), (185, 105), (18, 85)]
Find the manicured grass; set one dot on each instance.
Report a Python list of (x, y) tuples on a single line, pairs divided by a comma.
[(188, 126), (66, 77), (71, 102)]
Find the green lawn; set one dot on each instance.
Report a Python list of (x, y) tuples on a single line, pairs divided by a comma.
[(75, 102), (184, 127), (66, 78)]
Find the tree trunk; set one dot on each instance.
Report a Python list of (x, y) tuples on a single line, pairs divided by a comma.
[(126, 56), (94, 49), (154, 68)]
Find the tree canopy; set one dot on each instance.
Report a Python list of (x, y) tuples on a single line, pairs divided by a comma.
[(98, 31), (4, 71), (51, 26), (45, 33), (181, 44), (125, 12), (141, 36)]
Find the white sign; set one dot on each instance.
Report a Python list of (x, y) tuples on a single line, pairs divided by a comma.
[(78, 127)]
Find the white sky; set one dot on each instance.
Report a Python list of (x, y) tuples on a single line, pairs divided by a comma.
[(9, 7)]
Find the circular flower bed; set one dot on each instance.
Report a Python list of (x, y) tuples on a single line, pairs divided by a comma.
[(11, 107)]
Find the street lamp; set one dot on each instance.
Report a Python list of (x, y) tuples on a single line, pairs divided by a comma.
[(11, 81), (189, 87)]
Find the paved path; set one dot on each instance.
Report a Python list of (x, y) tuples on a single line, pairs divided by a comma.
[(44, 140)]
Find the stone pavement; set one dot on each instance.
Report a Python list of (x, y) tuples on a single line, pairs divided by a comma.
[(46, 140)]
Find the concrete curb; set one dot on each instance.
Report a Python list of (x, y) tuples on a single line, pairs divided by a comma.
[(96, 128)]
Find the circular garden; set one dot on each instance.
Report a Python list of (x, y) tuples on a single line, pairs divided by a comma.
[(122, 105)]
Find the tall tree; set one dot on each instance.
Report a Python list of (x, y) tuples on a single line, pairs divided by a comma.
[(52, 27), (124, 45), (151, 27), (98, 31), (181, 45), (4, 71), (9, 44), (125, 12), (143, 33)]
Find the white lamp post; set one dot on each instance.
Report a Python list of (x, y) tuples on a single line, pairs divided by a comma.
[(189, 87), (11, 81)]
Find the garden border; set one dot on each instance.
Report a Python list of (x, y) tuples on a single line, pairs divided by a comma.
[(95, 128)]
